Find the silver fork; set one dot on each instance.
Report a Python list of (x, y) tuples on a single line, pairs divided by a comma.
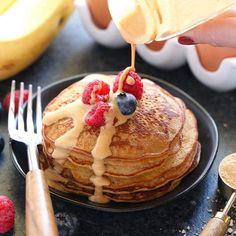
[(40, 219)]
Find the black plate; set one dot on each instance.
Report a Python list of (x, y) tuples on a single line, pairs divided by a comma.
[(208, 137)]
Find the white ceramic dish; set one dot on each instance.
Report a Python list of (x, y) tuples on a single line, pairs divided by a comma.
[(109, 37), (171, 56), (223, 79), (208, 137)]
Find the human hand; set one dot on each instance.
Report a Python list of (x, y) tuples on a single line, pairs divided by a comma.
[(220, 31)]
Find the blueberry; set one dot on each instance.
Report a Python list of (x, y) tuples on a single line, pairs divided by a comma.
[(2, 144), (127, 103)]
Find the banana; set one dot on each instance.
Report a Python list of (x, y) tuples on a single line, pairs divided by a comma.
[(27, 27), (5, 4)]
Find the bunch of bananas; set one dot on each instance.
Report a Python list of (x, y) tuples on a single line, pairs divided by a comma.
[(26, 29)]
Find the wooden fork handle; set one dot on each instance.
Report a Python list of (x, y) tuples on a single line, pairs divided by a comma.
[(216, 226), (40, 219)]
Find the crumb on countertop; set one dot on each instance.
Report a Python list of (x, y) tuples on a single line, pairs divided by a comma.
[(209, 210)]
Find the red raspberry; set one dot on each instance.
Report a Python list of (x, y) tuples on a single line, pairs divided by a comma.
[(7, 214), (96, 91), (6, 101), (136, 89), (96, 116)]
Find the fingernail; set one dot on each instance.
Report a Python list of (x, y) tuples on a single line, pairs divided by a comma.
[(185, 40)]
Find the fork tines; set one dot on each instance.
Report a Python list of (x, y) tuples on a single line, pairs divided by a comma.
[(17, 127)]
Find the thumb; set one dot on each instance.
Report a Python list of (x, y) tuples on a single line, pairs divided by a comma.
[(219, 32)]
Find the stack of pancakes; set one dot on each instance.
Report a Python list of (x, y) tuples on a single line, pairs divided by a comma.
[(151, 152)]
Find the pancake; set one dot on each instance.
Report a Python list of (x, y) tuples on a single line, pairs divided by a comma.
[(62, 184), (159, 118), (149, 153)]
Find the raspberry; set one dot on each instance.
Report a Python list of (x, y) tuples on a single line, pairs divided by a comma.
[(96, 116), (96, 91), (7, 214), (136, 88), (6, 101)]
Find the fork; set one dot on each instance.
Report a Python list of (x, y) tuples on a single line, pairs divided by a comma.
[(40, 219)]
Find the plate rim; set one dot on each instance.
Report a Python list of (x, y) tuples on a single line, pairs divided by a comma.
[(135, 206)]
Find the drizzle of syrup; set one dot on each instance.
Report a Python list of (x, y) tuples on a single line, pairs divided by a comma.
[(77, 111)]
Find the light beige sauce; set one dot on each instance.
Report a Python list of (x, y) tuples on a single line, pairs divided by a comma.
[(93, 95), (102, 148), (146, 20), (99, 153), (77, 111), (227, 170), (126, 71), (66, 142), (130, 80), (133, 52), (122, 78)]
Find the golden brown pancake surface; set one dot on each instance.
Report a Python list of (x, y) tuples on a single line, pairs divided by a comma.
[(156, 122)]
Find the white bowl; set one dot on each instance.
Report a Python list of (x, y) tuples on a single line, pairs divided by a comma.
[(223, 79), (171, 56), (109, 37)]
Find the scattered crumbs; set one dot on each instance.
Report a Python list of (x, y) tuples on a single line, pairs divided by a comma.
[(209, 210), (225, 125), (66, 223), (208, 198), (214, 200), (193, 203), (160, 229), (229, 231), (188, 227), (231, 224)]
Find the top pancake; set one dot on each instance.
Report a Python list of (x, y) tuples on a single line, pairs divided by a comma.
[(157, 122)]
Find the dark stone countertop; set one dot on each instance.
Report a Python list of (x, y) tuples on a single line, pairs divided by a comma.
[(75, 52)]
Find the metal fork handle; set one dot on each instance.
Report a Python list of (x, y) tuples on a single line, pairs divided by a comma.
[(40, 219)]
